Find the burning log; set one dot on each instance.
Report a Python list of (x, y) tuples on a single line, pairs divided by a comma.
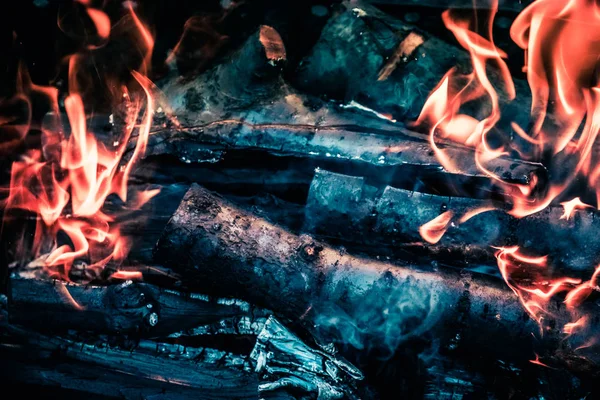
[(401, 151), (352, 209), (356, 59), (216, 115), (219, 248)]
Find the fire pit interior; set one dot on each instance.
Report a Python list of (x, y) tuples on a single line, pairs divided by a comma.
[(303, 199)]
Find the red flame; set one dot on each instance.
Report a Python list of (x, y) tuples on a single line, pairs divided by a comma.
[(67, 183), (562, 52)]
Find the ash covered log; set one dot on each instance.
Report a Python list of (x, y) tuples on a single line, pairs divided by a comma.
[(356, 301), (318, 372), (355, 210), (223, 111)]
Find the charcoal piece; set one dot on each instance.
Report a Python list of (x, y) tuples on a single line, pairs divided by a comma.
[(87, 368), (313, 371)]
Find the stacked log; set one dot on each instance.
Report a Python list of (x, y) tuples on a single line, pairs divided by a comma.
[(350, 300)]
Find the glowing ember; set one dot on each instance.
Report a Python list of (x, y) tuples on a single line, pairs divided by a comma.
[(67, 183), (127, 275), (273, 44), (562, 52), (538, 362)]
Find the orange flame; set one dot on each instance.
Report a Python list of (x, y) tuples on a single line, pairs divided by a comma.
[(127, 275), (528, 277), (538, 362), (101, 21), (16, 121), (571, 206), (442, 109), (433, 230), (572, 327), (578, 295), (562, 52), (559, 72), (67, 184)]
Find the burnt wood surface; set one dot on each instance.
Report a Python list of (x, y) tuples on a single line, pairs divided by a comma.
[(358, 211), (354, 55), (324, 138), (219, 248), (120, 308), (49, 365), (205, 119)]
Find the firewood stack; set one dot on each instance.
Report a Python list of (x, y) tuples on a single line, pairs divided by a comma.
[(282, 258)]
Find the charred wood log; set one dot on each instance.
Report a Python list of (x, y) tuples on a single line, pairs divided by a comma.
[(150, 370), (316, 372), (284, 363), (223, 111), (367, 56), (127, 308), (276, 354), (275, 129), (219, 248), (352, 209)]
